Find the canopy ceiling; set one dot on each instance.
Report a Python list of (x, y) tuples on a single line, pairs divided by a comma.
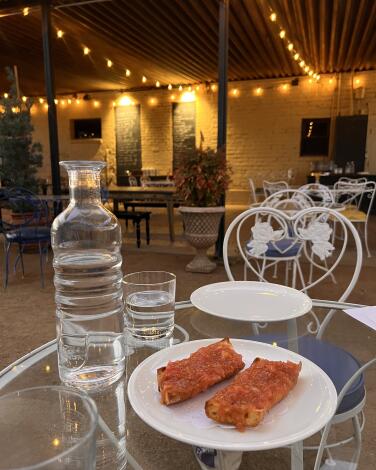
[(176, 41)]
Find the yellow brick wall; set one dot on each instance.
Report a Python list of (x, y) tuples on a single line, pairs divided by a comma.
[(263, 138)]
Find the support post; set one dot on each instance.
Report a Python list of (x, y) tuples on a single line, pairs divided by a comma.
[(222, 102), (50, 93)]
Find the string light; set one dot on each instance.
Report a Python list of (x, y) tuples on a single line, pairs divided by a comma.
[(144, 79), (197, 87), (213, 87), (86, 50), (310, 73), (153, 101), (173, 97), (56, 101), (62, 102), (285, 87), (157, 84), (235, 92), (96, 104), (109, 63), (24, 99), (180, 88), (26, 11), (189, 88), (290, 45), (258, 91), (127, 73), (125, 101), (46, 106), (41, 100), (6, 95), (169, 86), (69, 101), (78, 101), (60, 33), (14, 109)]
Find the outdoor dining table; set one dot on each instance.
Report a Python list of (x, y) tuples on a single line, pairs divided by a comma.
[(164, 195), (123, 436)]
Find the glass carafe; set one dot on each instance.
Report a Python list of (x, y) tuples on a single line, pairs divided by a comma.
[(86, 240)]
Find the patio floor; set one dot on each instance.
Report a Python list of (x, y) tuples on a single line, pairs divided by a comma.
[(27, 320)]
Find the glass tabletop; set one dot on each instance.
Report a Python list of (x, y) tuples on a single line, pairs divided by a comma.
[(123, 440)]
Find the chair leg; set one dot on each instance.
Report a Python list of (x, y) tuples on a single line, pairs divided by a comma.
[(245, 271), (138, 234), (6, 263), (287, 273), (293, 284), (366, 240), (300, 274), (358, 439), (275, 270), (20, 251)]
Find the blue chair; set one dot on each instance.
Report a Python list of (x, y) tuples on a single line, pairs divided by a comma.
[(312, 227), (32, 230)]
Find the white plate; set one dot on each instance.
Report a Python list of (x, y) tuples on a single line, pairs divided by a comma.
[(306, 410), (251, 301)]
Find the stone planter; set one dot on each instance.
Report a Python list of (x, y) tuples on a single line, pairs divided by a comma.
[(201, 226)]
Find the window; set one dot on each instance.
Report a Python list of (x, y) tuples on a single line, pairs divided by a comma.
[(314, 139), (87, 128)]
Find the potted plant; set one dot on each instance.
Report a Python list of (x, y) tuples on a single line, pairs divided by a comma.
[(201, 181), (20, 158)]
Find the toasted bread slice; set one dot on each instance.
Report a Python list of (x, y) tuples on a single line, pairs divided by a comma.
[(253, 393), (184, 379)]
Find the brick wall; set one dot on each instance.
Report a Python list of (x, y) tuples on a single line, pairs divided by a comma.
[(263, 130)]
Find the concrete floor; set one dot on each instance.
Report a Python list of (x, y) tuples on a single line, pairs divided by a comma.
[(27, 320)]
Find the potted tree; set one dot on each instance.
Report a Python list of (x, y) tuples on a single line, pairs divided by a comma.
[(20, 158), (201, 180)]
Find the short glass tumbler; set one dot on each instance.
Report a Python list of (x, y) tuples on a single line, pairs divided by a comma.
[(47, 428), (86, 240), (149, 304)]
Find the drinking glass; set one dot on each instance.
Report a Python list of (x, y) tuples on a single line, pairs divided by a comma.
[(47, 428), (149, 304)]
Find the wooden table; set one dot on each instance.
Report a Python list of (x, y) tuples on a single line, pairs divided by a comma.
[(164, 195)]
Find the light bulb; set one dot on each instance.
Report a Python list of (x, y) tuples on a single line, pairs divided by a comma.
[(258, 91), (213, 87), (197, 87), (25, 11), (157, 84), (144, 79), (180, 88), (60, 33), (189, 88), (46, 106), (6, 95), (24, 99), (284, 86), (296, 56), (56, 101), (172, 97), (273, 17), (109, 63), (357, 81), (127, 73), (302, 63), (96, 104), (78, 101), (41, 100), (290, 47), (69, 101), (310, 73), (306, 68), (330, 80), (62, 102), (86, 50), (153, 101), (235, 92), (282, 34), (318, 77), (169, 86)]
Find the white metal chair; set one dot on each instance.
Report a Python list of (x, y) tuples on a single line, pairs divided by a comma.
[(132, 180), (353, 195), (313, 227), (252, 189), (319, 193), (288, 249), (271, 187)]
